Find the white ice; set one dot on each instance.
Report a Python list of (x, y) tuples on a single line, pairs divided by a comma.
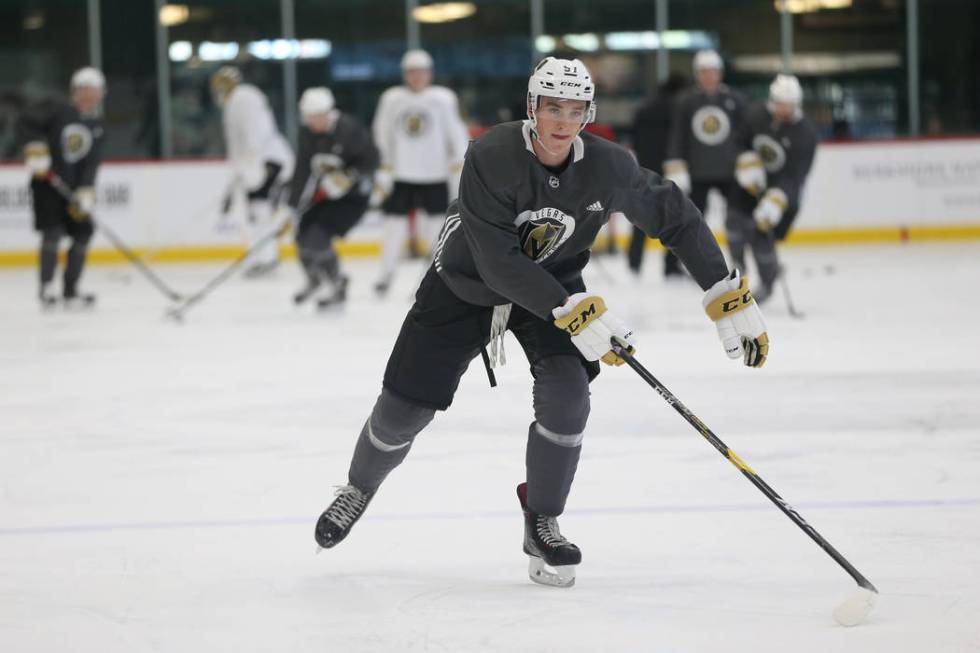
[(159, 483)]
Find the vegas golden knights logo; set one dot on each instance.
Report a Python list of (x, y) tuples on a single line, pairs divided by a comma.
[(711, 125), (770, 151), (415, 123), (543, 231), (76, 142)]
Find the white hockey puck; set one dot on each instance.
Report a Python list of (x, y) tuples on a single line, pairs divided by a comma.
[(855, 610)]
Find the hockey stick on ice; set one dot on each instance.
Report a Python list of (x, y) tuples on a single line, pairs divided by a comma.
[(849, 613), (781, 277), (176, 313), (62, 188)]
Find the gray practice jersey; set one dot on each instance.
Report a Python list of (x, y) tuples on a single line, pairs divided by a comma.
[(347, 147), (786, 151), (521, 232), (75, 141), (703, 132)]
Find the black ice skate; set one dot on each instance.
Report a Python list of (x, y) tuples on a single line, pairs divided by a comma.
[(552, 558), (78, 300), (46, 297), (337, 520), (335, 298), (307, 291)]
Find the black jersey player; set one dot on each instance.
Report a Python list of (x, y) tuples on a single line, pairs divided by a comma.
[(332, 184), (701, 150), (533, 196), (63, 149), (779, 144)]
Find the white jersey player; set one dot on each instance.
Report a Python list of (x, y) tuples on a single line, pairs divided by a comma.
[(422, 141), (260, 158)]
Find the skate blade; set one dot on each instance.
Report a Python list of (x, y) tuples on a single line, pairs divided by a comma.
[(544, 574)]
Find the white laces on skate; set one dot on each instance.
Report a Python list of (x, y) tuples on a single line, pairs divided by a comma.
[(498, 327), (547, 529), (349, 505)]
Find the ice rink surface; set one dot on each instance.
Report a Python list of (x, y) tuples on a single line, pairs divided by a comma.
[(159, 483)]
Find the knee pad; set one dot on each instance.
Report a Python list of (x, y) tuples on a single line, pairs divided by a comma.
[(561, 397), (395, 422)]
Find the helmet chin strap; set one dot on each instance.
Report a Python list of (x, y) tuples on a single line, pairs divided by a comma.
[(534, 133)]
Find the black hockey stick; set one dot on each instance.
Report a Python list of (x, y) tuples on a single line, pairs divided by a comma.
[(62, 188), (849, 613), (176, 313), (781, 277)]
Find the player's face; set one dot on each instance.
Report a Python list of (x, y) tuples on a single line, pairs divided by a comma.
[(559, 122), (783, 111), (418, 78), (709, 78), (318, 123), (87, 98)]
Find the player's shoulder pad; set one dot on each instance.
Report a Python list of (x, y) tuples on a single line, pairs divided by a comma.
[(607, 153), (500, 147)]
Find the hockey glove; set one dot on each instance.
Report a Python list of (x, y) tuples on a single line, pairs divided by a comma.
[(769, 211), (82, 203), (676, 171), (384, 183), (585, 318), (749, 172), (729, 303), (38, 158)]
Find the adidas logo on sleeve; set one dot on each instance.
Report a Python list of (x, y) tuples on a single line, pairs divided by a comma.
[(595, 206)]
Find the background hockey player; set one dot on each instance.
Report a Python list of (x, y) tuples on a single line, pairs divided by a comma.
[(260, 159), (422, 140), (778, 145), (651, 131), (533, 197), (701, 151), (334, 176), (64, 141)]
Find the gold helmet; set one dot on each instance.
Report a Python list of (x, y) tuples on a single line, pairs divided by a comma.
[(224, 81)]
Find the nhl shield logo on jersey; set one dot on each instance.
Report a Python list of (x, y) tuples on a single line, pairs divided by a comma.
[(543, 231), (771, 152), (415, 122), (76, 142), (711, 125)]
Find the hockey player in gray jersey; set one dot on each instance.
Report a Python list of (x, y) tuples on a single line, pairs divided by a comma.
[(533, 196), (63, 145), (332, 184), (701, 150), (779, 144)]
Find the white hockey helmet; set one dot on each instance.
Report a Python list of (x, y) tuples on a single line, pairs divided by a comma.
[(786, 89), (316, 100), (708, 60), (416, 59), (567, 79), (88, 77)]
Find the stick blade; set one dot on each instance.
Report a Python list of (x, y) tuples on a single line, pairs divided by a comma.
[(856, 608)]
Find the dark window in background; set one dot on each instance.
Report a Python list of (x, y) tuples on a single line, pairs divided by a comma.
[(218, 33), (132, 116), (42, 42), (853, 65), (367, 40), (949, 60), (485, 58)]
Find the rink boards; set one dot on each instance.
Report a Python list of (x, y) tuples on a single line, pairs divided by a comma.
[(857, 192)]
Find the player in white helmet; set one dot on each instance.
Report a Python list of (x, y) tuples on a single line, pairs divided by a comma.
[(422, 139), (260, 158), (533, 196), (63, 147), (777, 146), (701, 150), (335, 167)]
